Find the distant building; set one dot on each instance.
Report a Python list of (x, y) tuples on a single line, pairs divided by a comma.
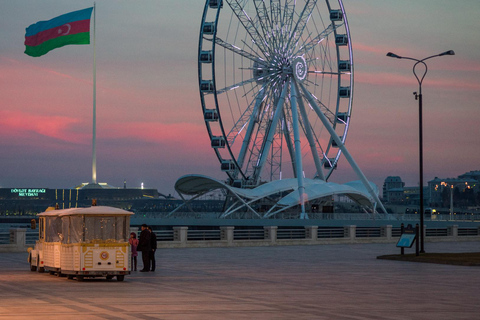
[(466, 183), (473, 175), (393, 190), (412, 196), (35, 200)]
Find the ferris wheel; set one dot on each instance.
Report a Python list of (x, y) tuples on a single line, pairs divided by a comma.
[(276, 87)]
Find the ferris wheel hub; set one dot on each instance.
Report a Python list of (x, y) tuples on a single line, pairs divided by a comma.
[(300, 69)]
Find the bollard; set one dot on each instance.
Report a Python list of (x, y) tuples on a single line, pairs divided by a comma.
[(350, 232), (311, 232), (402, 230), (270, 233), (226, 234), (18, 237), (417, 240), (180, 235)]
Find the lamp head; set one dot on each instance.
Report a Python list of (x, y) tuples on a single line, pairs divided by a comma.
[(393, 55), (447, 53)]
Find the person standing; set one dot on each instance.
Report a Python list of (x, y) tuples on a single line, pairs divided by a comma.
[(153, 245), (144, 245), (133, 248)]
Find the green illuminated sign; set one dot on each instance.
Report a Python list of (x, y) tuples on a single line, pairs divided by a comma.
[(27, 192)]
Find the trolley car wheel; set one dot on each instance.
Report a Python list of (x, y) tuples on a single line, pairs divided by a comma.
[(120, 278), (32, 267), (109, 277), (80, 278), (69, 277), (41, 269)]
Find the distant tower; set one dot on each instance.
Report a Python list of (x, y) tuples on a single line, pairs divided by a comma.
[(125, 184)]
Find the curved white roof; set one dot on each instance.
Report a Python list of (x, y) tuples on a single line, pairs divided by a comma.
[(195, 184)]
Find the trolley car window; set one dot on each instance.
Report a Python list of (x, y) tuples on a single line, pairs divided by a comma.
[(76, 229), (41, 228), (110, 229), (53, 229)]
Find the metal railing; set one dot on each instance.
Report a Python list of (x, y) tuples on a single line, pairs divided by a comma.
[(291, 233), (4, 237), (368, 232), (164, 235), (225, 236), (205, 235), (436, 232), (335, 232), (463, 232), (249, 234)]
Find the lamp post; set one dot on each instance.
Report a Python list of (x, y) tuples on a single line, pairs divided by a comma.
[(451, 186), (418, 96)]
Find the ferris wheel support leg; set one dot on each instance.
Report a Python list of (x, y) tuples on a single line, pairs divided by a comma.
[(251, 124), (298, 150), (271, 132), (342, 147), (185, 203), (308, 133)]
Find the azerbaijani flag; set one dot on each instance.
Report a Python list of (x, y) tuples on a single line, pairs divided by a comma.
[(70, 28)]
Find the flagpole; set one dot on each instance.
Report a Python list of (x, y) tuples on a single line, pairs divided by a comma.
[(94, 139)]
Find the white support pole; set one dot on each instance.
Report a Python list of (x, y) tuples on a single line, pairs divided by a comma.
[(94, 135), (311, 141), (342, 147), (298, 148)]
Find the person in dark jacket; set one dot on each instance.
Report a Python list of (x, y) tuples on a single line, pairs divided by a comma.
[(144, 245), (153, 246)]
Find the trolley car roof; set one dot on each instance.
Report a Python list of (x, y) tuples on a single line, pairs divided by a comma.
[(94, 210)]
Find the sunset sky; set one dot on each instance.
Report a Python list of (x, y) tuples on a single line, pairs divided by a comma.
[(150, 126)]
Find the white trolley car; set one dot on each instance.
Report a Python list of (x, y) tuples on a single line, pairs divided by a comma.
[(83, 242)]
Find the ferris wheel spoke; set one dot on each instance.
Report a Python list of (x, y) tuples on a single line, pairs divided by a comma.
[(251, 124), (306, 47), (249, 25), (329, 114), (237, 50), (261, 124), (301, 23), (247, 116), (263, 18), (275, 14), (236, 85), (325, 72), (288, 14)]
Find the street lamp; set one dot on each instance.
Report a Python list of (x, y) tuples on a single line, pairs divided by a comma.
[(451, 187), (418, 96)]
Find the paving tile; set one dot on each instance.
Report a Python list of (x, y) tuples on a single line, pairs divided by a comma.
[(296, 282)]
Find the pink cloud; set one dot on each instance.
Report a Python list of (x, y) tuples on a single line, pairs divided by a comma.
[(392, 79), (18, 123)]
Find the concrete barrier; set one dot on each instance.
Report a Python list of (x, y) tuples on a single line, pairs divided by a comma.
[(17, 241)]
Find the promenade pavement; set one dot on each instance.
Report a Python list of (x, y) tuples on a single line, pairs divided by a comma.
[(292, 282)]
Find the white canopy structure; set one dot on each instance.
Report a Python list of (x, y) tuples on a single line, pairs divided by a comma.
[(277, 195)]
